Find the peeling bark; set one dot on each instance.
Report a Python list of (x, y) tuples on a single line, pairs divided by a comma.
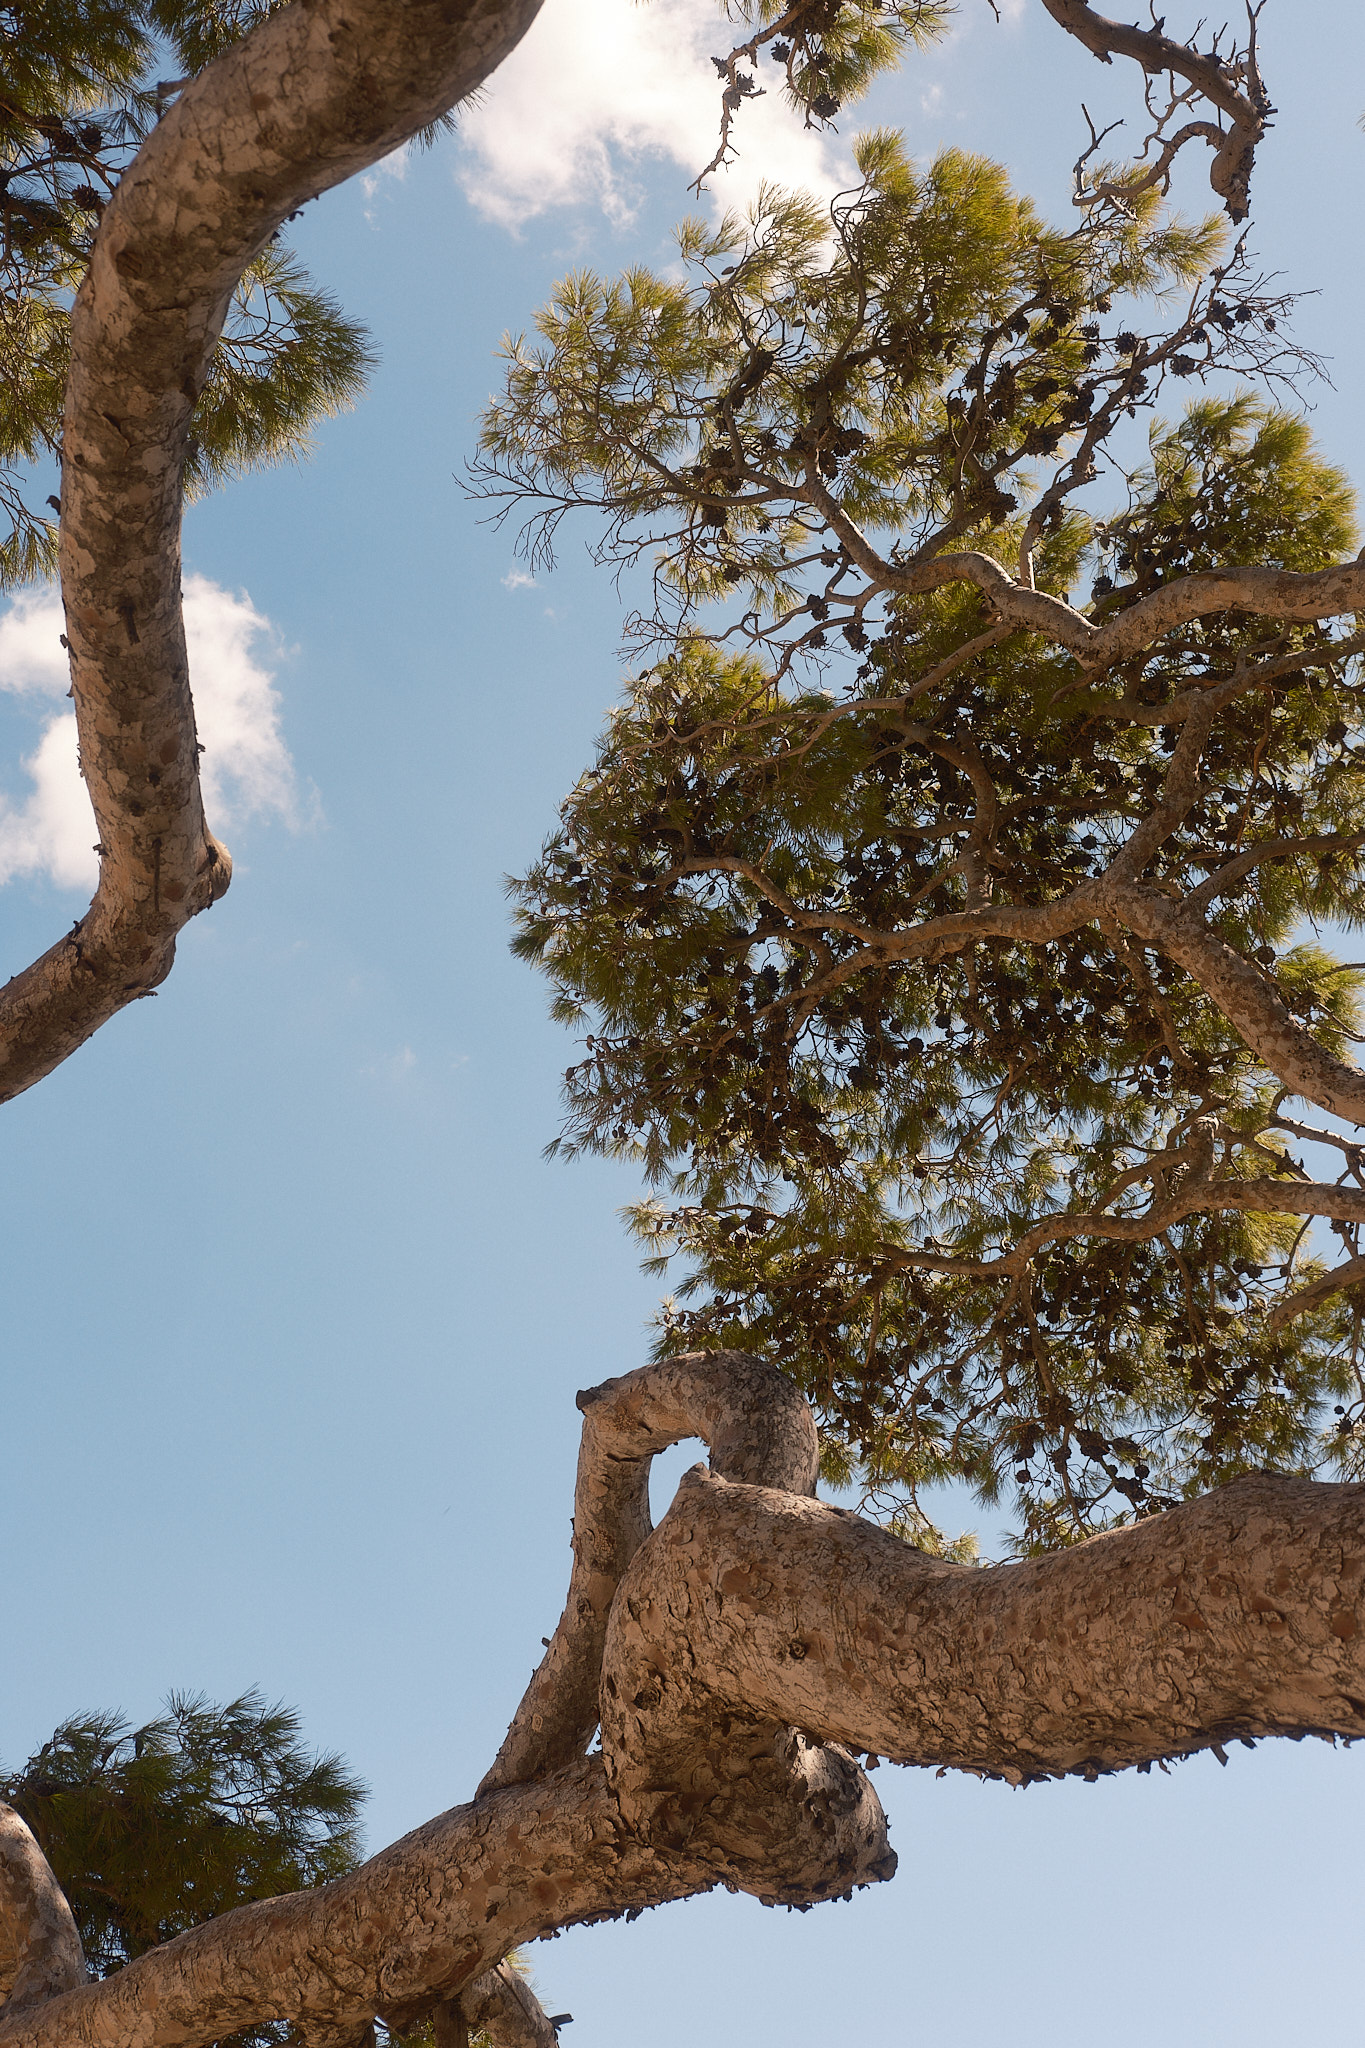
[(1239, 1615), (313, 95)]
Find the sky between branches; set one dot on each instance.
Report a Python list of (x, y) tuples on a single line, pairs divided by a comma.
[(341, 1464)]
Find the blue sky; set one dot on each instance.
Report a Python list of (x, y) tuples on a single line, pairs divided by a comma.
[(294, 1308)]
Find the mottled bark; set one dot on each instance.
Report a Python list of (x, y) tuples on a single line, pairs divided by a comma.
[(40, 1950), (753, 1642), (312, 96), (756, 1427), (411, 1926), (1238, 1615)]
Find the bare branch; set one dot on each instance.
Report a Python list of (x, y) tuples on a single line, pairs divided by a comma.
[(1231, 84), (756, 1426)]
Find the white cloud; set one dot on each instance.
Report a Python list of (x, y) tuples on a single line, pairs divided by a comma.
[(394, 166), (246, 766), (32, 658), (517, 579), (598, 87)]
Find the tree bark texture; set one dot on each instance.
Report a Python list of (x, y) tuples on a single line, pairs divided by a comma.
[(40, 1949), (746, 1649), (312, 96)]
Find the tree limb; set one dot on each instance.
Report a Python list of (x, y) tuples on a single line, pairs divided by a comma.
[(751, 1612), (40, 1949), (1266, 592), (756, 1426), (502, 2005), (1238, 1615), (310, 97), (413, 1925), (1247, 111)]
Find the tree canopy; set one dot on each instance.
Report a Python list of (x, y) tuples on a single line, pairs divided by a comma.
[(922, 949), (955, 906)]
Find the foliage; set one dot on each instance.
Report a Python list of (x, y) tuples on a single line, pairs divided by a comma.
[(929, 1121), (829, 51), (152, 1830), (80, 93)]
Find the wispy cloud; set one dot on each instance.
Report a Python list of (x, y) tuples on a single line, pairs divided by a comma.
[(393, 167), (518, 579), (246, 767), (599, 87)]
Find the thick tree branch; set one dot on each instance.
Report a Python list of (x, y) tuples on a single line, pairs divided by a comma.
[(413, 1925), (756, 1427), (1238, 1615), (754, 1611), (40, 1949), (312, 96)]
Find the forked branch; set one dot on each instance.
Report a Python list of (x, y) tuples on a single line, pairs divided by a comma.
[(754, 1610), (1231, 83)]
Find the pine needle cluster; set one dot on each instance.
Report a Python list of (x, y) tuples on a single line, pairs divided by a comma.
[(152, 1830)]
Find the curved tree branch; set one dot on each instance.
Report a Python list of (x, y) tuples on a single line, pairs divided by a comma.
[(1238, 1615), (757, 1428), (40, 1949), (753, 1611), (1265, 592), (313, 95), (1235, 90)]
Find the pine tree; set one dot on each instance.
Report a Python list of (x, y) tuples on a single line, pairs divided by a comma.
[(154, 1830), (938, 1116)]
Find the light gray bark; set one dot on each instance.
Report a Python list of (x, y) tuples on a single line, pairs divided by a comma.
[(756, 1427), (1236, 94)]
